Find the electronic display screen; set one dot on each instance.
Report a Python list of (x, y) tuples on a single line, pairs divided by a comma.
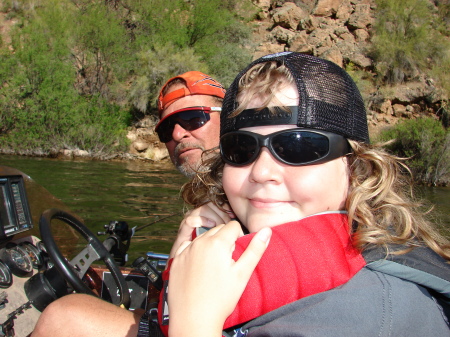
[(15, 216)]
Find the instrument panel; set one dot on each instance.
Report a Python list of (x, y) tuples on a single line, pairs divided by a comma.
[(15, 215)]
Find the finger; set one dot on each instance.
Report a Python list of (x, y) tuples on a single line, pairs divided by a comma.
[(229, 232), (182, 247), (253, 253), (195, 221), (229, 212), (212, 231), (224, 216), (211, 212)]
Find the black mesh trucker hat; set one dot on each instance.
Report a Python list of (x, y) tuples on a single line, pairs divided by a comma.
[(329, 99)]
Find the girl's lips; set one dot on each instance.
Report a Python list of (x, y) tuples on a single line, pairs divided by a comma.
[(266, 203)]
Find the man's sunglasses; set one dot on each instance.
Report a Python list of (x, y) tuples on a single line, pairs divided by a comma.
[(292, 146), (189, 119)]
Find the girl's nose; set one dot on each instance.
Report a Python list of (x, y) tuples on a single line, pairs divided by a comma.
[(266, 168)]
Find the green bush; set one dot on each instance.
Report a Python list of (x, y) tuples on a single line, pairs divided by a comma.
[(44, 107), (406, 40), (427, 143)]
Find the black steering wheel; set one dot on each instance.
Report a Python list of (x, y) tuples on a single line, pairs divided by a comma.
[(74, 271)]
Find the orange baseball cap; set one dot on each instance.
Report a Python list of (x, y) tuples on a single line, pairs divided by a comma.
[(196, 83)]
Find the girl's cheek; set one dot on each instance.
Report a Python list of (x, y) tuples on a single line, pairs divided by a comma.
[(229, 176)]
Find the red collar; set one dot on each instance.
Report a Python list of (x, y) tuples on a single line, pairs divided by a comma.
[(304, 257)]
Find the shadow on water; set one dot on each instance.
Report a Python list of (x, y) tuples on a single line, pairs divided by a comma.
[(139, 193), (97, 191)]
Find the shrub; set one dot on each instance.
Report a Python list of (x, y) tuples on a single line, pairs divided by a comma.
[(427, 143), (405, 40)]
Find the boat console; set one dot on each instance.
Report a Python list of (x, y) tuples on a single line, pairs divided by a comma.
[(40, 258)]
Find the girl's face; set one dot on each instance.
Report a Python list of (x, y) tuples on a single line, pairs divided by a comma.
[(269, 193)]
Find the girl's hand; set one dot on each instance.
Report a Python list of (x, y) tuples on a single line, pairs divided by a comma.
[(206, 283), (208, 215)]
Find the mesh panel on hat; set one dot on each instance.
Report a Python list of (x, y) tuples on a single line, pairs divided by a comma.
[(329, 99)]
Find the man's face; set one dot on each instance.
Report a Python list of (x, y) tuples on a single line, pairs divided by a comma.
[(186, 147)]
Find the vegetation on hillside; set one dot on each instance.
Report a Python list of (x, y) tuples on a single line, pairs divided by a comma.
[(411, 39), (408, 40), (427, 145), (78, 71)]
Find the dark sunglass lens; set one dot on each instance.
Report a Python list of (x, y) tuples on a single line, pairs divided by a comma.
[(299, 147), (191, 120), (165, 130), (238, 149)]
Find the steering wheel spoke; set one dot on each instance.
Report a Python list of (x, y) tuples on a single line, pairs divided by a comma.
[(84, 260)]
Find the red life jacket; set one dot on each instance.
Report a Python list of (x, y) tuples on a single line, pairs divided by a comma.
[(304, 257)]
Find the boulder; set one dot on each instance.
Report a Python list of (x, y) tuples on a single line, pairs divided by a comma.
[(399, 110), (334, 55), (300, 44), (320, 38), (412, 92), (80, 153), (360, 60), (343, 33), (156, 153), (283, 35), (327, 7), (386, 108), (344, 11), (288, 16), (140, 145), (264, 5), (361, 35), (308, 24), (361, 18)]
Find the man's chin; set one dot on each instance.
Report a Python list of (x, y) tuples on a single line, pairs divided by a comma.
[(187, 168)]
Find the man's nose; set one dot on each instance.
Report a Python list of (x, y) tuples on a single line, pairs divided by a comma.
[(179, 133)]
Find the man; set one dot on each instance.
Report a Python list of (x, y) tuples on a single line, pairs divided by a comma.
[(189, 111)]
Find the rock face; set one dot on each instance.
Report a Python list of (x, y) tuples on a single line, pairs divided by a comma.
[(336, 30)]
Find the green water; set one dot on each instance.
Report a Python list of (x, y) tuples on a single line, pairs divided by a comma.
[(139, 193), (136, 192)]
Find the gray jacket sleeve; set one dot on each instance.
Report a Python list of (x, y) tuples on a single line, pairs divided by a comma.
[(370, 304)]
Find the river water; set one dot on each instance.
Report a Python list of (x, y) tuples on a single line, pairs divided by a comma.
[(139, 193)]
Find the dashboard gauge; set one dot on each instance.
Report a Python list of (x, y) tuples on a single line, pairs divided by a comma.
[(5, 276), (34, 254), (17, 260)]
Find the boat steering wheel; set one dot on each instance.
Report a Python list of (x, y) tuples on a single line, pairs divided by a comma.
[(74, 270)]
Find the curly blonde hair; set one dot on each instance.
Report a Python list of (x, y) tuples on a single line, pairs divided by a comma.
[(380, 204)]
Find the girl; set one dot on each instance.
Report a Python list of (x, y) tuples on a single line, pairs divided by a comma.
[(296, 167)]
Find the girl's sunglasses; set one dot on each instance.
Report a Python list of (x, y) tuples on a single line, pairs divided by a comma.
[(292, 146), (189, 119)]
